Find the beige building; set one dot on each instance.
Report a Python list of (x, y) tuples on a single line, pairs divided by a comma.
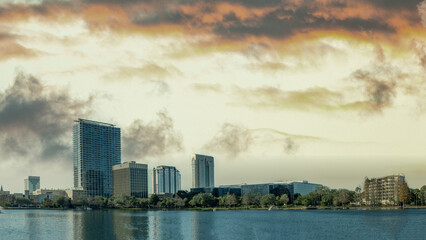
[(40, 195), (384, 190), (130, 179), (76, 193)]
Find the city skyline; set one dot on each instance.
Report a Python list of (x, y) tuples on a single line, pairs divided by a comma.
[(326, 91)]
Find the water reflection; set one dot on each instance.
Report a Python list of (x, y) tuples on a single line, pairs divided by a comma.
[(32, 224), (203, 225), (386, 221)]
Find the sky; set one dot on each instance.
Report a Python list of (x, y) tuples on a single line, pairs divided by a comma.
[(327, 91)]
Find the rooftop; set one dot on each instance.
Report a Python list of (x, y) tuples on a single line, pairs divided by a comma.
[(95, 122)]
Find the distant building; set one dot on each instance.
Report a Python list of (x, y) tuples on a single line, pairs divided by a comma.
[(18, 195), (130, 179), (384, 190), (32, 183), (96, 148), (202, 171), (277, 189), (40, 195), (76, 193), (225, 190), (4, 193), (304, 187), (166, 179)]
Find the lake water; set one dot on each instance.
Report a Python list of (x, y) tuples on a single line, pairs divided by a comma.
[(235, 224)]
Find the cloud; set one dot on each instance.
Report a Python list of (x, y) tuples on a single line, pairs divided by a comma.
[(379, 88), (10, 48), (419, 48), (290, 146), (422, 12), (147, 71), (315, 98), (234, 140), (231, 140), (217, 88), (36, 122), (142, 140)]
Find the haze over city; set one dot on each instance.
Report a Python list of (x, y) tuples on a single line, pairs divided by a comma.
[(327, 91)]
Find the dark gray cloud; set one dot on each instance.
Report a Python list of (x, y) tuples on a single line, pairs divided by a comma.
[(379, 88), (283, 23), (231, 140), (35, 122), (157, 138), (290, 146)]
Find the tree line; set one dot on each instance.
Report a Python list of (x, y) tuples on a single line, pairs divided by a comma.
[(322, 196)]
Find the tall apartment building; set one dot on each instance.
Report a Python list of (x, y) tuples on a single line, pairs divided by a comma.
[(165, 179), (97, 147), (31, 183), (202, 171), (384, 190), (130, 179)]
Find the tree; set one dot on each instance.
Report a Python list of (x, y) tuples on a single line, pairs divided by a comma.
[(48, 203), (230, 200), (404, 193), (284, 199), (306, 202), (179, 202), (343, 197), (268, 200), (98, 202), (61, 201), (203, 200), (153, 200)]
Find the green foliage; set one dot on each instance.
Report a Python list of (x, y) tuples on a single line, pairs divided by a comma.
[(268, 200), (48, 203), (153, 200), (251, 200), (203, 200), (283, 200)]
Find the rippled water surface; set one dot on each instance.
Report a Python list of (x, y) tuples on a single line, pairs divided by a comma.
[(236, 224)]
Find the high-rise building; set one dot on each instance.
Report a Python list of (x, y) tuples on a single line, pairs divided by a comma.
[(97, 147), (387, 190), (32, 183), (130, 179), (202, 171), (165, 179)]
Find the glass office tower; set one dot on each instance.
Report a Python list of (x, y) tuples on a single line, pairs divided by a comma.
[(165, 179), (97, 147), (202, 171), (32, 183)]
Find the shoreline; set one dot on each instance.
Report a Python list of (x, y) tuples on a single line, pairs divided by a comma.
[(366, 208)]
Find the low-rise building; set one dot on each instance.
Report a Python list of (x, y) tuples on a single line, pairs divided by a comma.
[(40, 195), (304, 187), (4, 193), (76, 193)]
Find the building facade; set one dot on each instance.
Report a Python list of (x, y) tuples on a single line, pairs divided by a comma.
[(130, 179), (202, 171), (96, 147), (4, 193), (277, 189), (32, 183), (166, 179), (304, 187), (387, 190)]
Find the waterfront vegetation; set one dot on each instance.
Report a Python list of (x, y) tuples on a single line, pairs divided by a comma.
[(322, 198)]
